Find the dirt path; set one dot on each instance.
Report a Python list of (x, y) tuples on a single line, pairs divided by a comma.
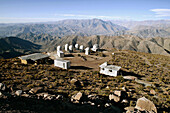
[(81, 62)]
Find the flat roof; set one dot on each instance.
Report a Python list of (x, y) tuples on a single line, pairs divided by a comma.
[(112, 67), (34, 56), (62, 60)]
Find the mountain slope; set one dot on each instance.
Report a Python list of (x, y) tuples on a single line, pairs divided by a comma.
[(12, 47), (147, 29), (124, 42), (149, 32), (40, 39)]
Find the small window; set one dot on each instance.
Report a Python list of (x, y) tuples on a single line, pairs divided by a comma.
[(64, 65), (110, 71)]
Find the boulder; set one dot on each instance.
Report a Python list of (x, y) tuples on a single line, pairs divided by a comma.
[(2, 87), (107, 105), (93, 97), (76, 98), (114, 97), (118, 93), (124, 89), (152, 92), (121, 94), (143, 104), (25, 95), (125, 101), (35, 90), (73, 81), (18, 92)]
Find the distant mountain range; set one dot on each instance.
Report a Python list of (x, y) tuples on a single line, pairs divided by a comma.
[(143, 29), (143, 36), (12, 47)]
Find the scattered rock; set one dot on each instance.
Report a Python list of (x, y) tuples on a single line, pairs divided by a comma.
[(50, 97), (2, 87), (59, 97), (118, 93), (114, 97), (143, 104), (76, 98), (73, 81), (92, 104), (121, 94), (130, 77), (130, 110), (107, 105), (42, 95), (107, 87), (124, 89), (46, 96), (15, 63), (25, 95), (152, 92), (125, 101), (18, 92), (93, 97), (36, 90)]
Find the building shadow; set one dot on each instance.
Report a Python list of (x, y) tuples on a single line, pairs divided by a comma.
[(80, 67), (124, 73), (68, 55)]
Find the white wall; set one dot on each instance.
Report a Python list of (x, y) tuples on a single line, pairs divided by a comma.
[(107, 72), (62, 64)]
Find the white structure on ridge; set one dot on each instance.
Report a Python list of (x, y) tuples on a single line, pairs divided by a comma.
[(65, 64), (81, 48), (58, 48), (60, 54), (66, 47), (110, 70), (87, 51), (95, 47), (70, 48), (77, 46)]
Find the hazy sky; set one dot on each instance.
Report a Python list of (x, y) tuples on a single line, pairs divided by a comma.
[(12, 11)]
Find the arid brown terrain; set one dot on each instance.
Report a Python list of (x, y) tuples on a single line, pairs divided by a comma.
[(82, 88)]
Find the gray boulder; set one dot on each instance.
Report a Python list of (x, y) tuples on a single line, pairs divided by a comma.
[(114, 98), (2, 87), (76, 98), (18, 92), (143, 104)]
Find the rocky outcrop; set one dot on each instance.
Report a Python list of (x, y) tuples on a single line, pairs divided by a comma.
[(76, 98), (143, 104), (36, 90), (18, 92), (114, 98)]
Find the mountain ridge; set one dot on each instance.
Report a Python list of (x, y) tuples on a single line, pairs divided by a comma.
[(88, 27), (12, 47)]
